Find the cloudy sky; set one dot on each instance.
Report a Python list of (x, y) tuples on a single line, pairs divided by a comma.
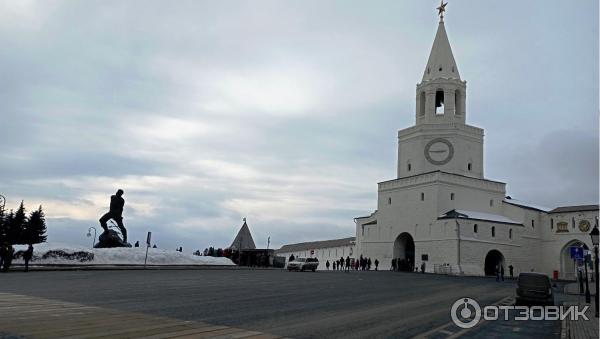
[(284, 112)]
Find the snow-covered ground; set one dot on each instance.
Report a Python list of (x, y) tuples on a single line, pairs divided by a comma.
[(43, 254)]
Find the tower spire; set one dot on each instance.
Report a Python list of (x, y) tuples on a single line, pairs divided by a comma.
[(441, 63)]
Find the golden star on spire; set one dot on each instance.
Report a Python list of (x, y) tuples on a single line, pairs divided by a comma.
[(442, 9)]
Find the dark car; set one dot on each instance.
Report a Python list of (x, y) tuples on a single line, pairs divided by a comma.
[(534, 289)]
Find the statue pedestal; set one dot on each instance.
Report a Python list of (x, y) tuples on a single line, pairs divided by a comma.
[(110, 239)]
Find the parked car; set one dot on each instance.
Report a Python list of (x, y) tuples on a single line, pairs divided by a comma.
[(534, 289), (303, 264)]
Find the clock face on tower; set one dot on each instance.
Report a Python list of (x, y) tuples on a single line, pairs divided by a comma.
[(439, 151)]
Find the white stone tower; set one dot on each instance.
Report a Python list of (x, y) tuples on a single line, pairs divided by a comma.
[(441, 139)]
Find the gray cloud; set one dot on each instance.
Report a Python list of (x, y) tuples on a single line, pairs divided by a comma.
[(282, 112)]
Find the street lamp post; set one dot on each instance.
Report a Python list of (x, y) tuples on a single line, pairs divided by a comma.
[(587, 286), (594, 236), (89, 234)]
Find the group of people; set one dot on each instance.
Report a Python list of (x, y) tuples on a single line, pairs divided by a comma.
[(7, 253), (362, 264), (404, 265)]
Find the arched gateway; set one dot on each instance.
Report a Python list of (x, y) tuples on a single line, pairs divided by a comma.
[(404, 252), (492, 259), (568, 268)]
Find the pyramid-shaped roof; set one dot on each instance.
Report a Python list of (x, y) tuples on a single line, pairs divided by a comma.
[(441, 63), (243, 240)]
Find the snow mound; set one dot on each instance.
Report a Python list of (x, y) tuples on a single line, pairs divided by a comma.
[(62, 254)]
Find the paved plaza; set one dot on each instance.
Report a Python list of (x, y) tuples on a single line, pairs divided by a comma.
[(248, 303)]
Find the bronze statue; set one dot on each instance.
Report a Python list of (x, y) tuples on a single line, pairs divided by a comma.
[(115, 213)]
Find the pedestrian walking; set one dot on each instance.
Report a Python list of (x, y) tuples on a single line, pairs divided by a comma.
[(348, 263), (369, 264), (510, 270), (502, 272), (497, 271), (3, 250), (393, 266), (423, 267), (341, 263), (327, 265), (376, 264), (27, 256), (334, 265), (7, 255)]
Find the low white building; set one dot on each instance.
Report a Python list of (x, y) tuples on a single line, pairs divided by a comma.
[(326, 250)]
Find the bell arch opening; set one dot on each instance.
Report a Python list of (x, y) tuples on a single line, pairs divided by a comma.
[(439, 102)]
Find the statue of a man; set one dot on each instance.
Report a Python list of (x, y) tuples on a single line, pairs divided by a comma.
[(115, 213)]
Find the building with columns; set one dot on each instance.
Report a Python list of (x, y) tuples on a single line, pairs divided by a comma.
[(442, 212)]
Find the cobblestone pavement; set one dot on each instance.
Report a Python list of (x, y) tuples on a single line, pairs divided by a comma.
[(24, 317)]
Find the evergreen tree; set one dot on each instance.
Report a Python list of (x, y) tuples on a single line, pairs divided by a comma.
[(16, 228), (6, 231), (35, 228)]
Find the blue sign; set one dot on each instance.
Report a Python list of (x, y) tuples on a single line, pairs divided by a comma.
[(576, 252)]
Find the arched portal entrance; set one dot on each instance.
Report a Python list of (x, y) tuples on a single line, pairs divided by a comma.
[(492, 259), (568, 269), (404, 252)]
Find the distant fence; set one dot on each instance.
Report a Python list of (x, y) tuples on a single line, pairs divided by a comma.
[(442, 269)]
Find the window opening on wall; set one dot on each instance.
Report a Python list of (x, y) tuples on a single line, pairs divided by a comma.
[(457, 102), (439, 102)]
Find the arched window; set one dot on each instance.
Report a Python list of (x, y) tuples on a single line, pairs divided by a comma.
[(451, 196), (475, 228), (439, 102), (409, 166), (469, 167), (422, 101), (493, 231), (389, 201), (510, 233), (422, 196), (491, 202), (532, 223), (551, 223)]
